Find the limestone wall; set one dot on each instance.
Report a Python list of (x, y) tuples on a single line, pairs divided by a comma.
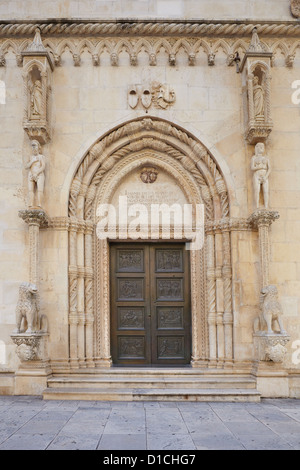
[(89, 100), (158, 9)]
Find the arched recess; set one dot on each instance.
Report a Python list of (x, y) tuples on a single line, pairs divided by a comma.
[(148, 140)]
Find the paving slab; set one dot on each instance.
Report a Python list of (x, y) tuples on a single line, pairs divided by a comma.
[(31, 423)]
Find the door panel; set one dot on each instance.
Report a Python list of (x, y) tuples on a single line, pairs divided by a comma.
[(150, 304)]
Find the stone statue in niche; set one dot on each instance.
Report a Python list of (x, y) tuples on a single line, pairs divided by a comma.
[(260, 165), (36, 96), (258, 99), (36, 175)]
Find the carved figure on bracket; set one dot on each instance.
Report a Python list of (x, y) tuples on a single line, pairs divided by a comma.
[(36, 176), (260, 165), (26, 310), (271, 312)]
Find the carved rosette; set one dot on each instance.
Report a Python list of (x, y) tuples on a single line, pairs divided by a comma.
[(37, 69), (270, 347)]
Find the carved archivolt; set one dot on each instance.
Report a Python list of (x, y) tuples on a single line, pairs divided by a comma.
[(133, 146)]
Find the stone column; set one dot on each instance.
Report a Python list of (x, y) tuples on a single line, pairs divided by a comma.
[(227, 283), (261, 219), (73, 286), (35, 218), (211, 298), (31, 376), (89, 294)]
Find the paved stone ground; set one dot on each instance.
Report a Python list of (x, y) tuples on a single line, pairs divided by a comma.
[(30, 423)]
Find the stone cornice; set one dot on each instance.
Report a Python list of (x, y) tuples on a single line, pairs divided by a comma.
[(155, 28)]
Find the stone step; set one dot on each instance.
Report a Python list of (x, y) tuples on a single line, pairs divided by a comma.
[(139, 394), (157, 382)]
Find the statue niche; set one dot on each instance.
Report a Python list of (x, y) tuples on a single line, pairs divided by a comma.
[(37, 68), (256, 77)]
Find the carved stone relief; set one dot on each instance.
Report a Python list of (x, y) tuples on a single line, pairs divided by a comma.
[(149, 175), (159, 95), (36, 175), (260, 165), (295, 8)]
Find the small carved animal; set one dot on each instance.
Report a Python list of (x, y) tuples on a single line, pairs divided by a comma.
[(271, 310), (27, 307)]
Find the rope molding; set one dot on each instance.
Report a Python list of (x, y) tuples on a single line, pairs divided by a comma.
[(149, 28)]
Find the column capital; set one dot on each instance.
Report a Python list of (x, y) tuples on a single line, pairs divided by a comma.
[(262, 217), (34, 216)]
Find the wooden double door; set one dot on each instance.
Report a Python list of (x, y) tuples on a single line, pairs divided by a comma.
[(150, 304)]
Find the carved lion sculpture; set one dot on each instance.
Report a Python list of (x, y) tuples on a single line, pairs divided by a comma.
[(271, 311), (27, 307)]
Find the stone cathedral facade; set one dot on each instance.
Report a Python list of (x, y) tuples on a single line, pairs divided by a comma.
[(150, 199)]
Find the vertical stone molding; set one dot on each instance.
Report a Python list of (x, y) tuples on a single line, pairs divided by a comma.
[(256, 80), (37, 69), (211, 297), (89, 294), (227, 284)]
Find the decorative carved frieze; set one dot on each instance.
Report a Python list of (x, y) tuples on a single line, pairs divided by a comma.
[(193, 48), (196, 28)]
